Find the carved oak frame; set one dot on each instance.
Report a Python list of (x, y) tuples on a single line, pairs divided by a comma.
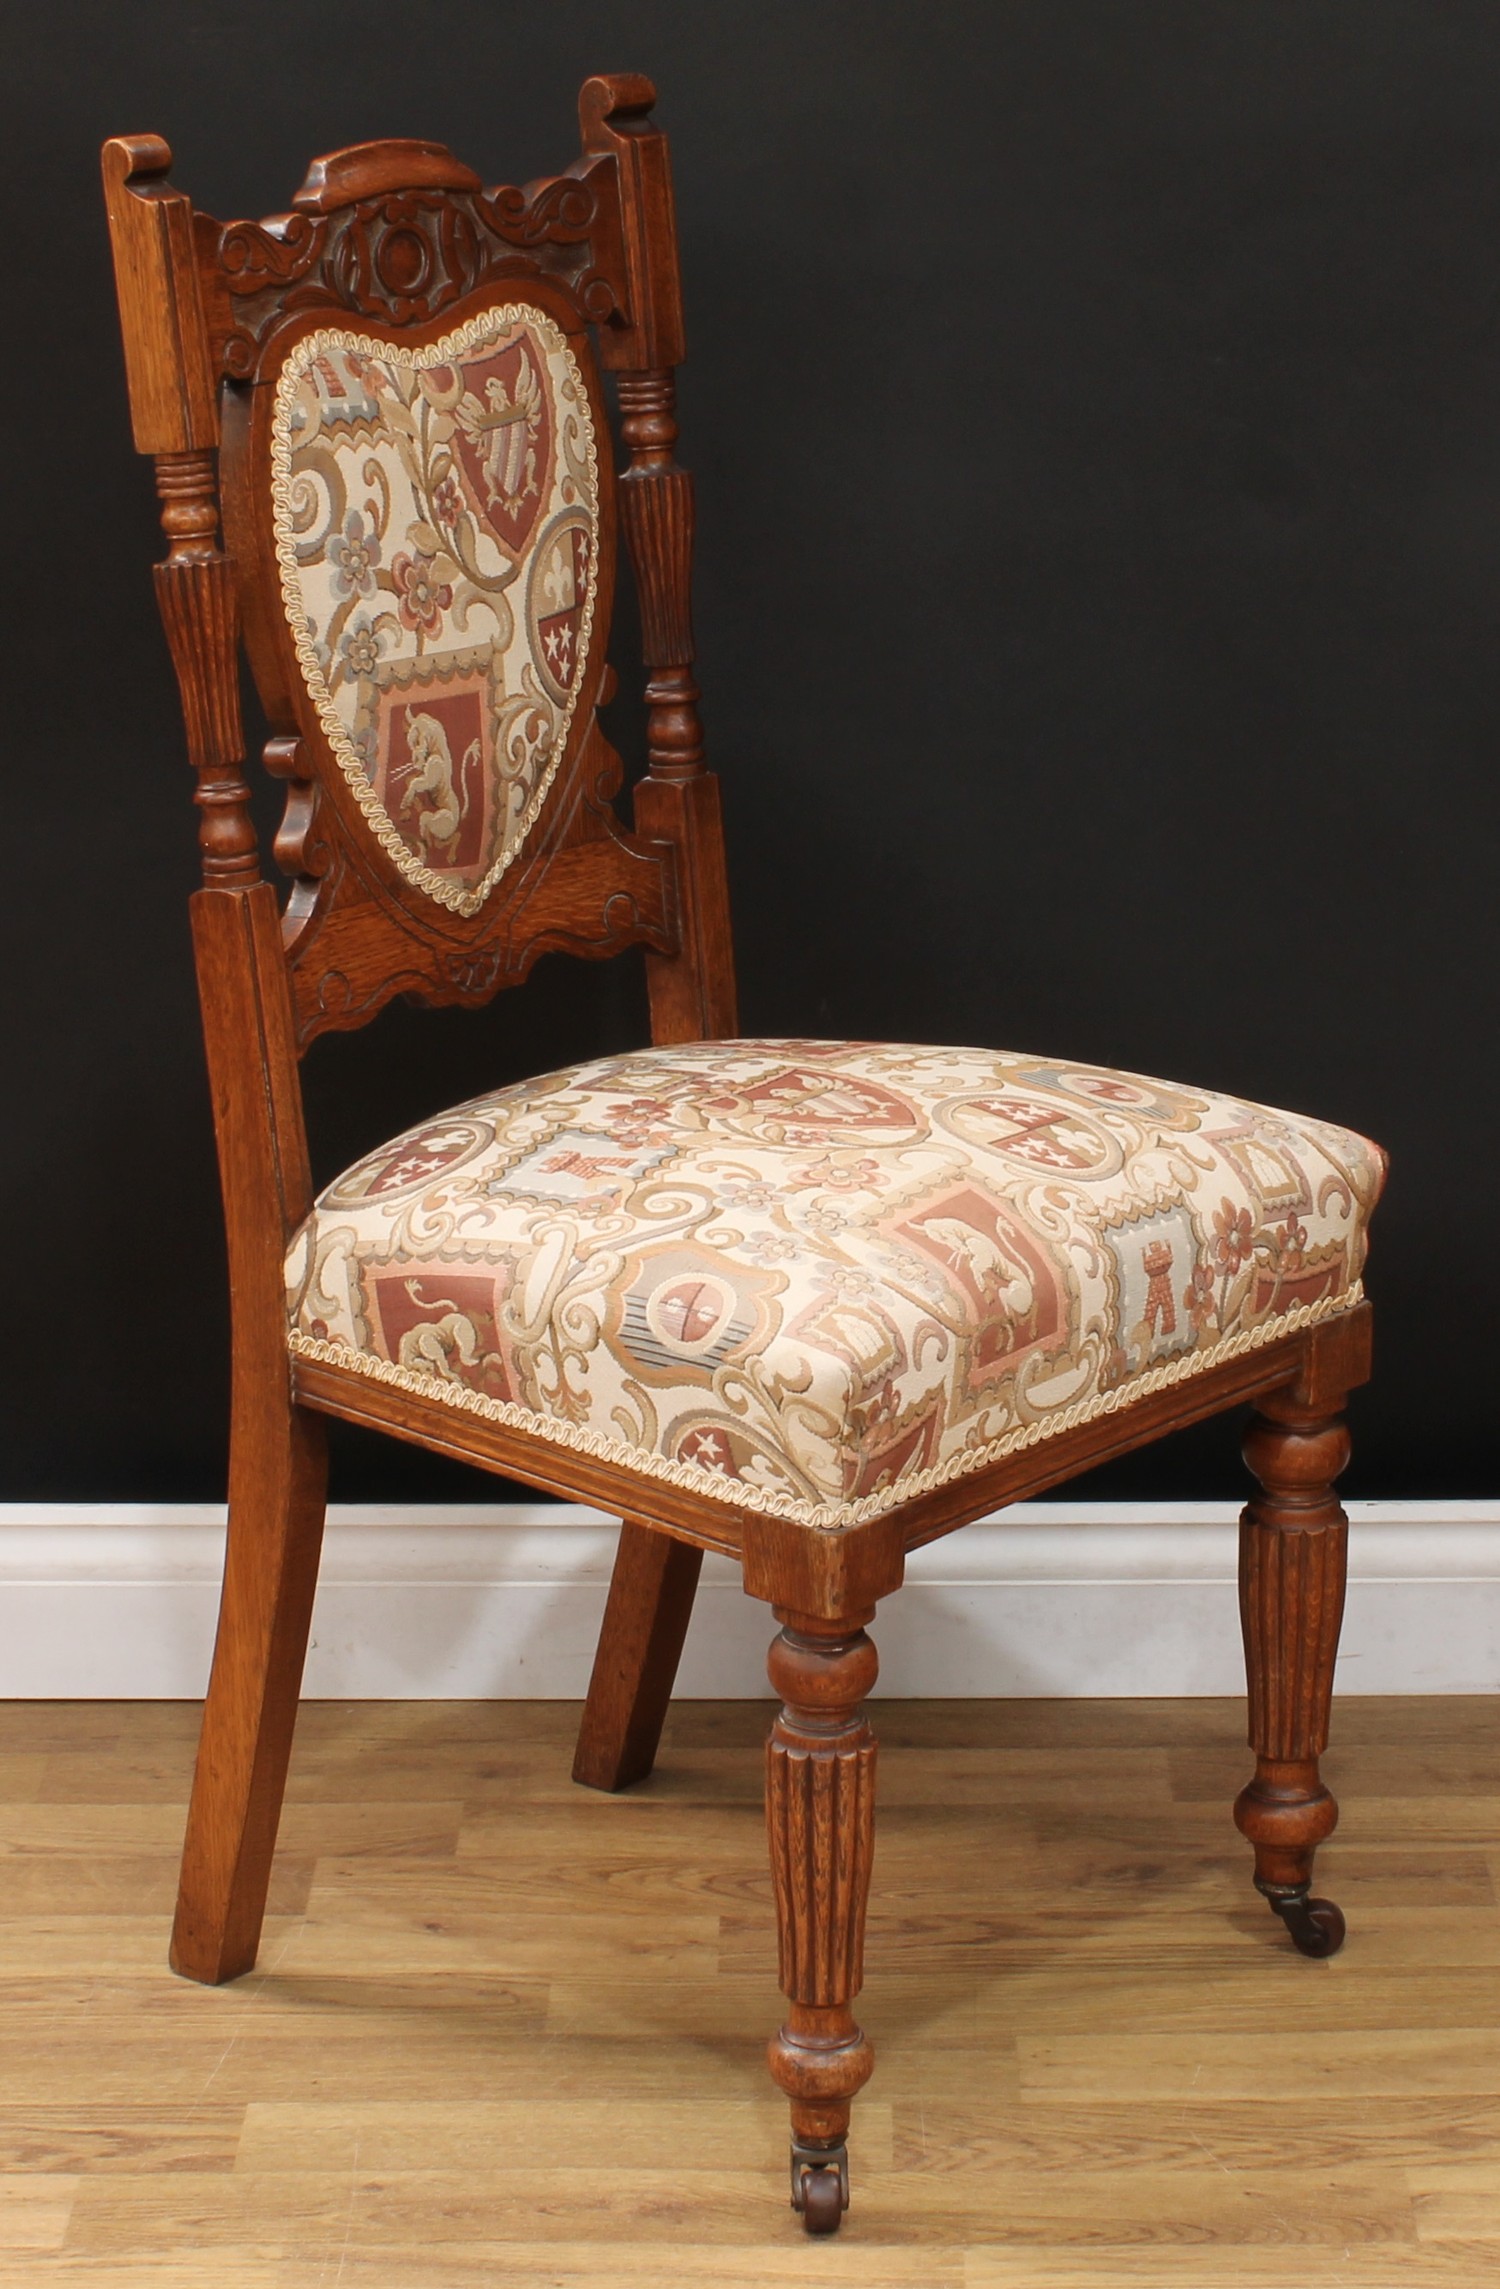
[(408, 239)]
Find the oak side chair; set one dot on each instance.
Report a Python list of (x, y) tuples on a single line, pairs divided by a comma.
[(808, 1303)]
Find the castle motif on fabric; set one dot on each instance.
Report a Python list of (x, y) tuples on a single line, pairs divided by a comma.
[(436, 516), (816, 1278)]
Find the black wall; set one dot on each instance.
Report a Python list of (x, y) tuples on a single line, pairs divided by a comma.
[(1096, 416)]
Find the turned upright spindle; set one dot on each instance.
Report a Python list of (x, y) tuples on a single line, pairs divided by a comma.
[(692, 992), (820, 1814), (195, 593), (1293, 1554)]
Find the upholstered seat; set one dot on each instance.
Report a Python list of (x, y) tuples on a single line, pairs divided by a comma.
[(816, 1278)]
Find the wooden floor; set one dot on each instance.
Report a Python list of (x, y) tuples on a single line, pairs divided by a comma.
[(506, 2032)]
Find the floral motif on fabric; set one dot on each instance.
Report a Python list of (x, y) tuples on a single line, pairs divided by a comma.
[(816, 1278), (436, 518)]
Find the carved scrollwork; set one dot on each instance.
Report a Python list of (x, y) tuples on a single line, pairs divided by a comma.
[(254, 256), (473, 972), (594, 898), (405, 256), (303, 847), (561, 209), (338, 1001), (598, 297)]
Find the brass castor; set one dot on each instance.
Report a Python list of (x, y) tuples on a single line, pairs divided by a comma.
[(1317, 1926), (820, 2185)]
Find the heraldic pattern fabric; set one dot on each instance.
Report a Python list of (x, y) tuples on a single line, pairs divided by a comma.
[(436, 519), (817, 1278)]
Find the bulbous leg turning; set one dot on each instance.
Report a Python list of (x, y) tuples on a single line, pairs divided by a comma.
[(820, 1815), (1293, 1555)]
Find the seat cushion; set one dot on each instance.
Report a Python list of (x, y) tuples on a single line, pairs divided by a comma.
[(818, 1278)]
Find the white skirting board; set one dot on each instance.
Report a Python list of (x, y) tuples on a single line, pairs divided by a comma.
[(1057, 1599)]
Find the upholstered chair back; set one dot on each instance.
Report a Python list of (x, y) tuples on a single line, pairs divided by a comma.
[(435, 520), (391, 396)]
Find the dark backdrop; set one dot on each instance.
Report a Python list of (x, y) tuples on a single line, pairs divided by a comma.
[(1095, 414)]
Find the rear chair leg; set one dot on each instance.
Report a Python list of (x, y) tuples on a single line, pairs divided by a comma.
[(1293, 1548), (820, 1813), (278, 1484), (645, 1622)]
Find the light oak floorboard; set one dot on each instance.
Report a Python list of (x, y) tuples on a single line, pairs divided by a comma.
[(506, 2031)]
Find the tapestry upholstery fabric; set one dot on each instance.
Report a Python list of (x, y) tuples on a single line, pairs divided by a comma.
[(817, 1278), (436, 520)]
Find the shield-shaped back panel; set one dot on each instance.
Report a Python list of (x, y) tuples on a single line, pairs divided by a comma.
[(435, 508)]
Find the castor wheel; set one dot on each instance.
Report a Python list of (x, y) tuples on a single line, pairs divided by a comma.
[(1317, 1926), (822, 2202), (820, 2185)]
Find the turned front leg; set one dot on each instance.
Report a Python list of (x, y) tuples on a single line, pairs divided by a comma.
[(820, 1812), (1293, 1552)]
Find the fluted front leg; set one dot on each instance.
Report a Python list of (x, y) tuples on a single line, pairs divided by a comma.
[(820, 1811), (1293, 1550)]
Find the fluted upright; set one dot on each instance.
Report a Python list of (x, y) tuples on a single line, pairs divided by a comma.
[(820, 1814), (1293, 1554), (656, 509), (692, 991), (196, 594)]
